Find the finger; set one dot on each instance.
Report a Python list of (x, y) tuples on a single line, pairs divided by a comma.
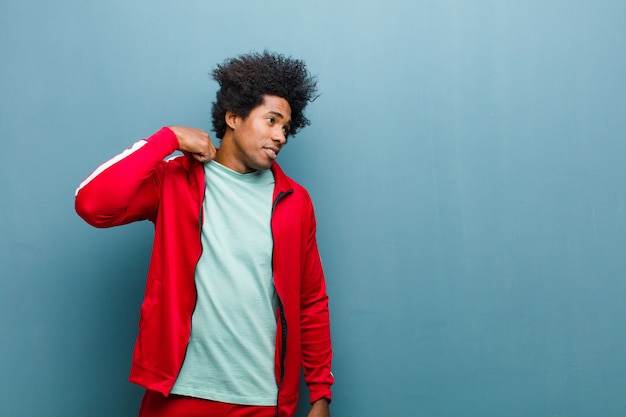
[(200, 157), (203, 157)]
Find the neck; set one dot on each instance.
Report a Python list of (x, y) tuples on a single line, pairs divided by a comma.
[(226, 156)]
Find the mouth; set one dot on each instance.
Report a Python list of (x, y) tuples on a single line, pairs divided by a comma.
[(272, 152)]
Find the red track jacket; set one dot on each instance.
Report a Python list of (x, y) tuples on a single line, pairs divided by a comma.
[(137, 185)]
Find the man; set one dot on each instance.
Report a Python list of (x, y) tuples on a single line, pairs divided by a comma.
[(235, 299)]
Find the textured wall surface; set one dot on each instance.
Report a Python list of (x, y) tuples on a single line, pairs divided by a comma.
[(465, 158)]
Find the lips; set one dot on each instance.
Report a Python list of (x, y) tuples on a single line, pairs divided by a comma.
[(272, 152)]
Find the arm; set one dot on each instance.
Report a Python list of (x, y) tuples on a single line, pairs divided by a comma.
[(127, 187), (315, 328), (320, 409)]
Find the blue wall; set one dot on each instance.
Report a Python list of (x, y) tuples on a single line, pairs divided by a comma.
[(466, 159)]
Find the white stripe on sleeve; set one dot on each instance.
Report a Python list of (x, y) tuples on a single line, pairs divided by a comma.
[(136, 146)]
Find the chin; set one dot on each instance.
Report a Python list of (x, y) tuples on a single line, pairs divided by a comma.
[(264, 165), (259, 167)]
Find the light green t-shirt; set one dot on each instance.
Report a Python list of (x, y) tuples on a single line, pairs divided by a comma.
[(230, 356)]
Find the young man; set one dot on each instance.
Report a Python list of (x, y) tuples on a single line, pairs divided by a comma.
[(235, 299)]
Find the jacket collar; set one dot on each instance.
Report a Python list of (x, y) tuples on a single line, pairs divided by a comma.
[(283, 183)]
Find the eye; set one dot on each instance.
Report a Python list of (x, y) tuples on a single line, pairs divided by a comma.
[(271, 120)]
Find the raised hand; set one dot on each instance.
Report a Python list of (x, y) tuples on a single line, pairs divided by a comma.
[(195, 142)]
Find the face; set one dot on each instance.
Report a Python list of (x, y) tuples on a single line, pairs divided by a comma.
[(253, 143)]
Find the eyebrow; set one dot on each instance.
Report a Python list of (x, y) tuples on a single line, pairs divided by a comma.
[(275, 113)]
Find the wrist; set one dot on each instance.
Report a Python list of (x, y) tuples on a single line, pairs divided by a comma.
[(322, 402), (320, 408)]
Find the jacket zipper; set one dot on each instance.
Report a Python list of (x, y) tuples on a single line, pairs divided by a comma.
[(283, 320)]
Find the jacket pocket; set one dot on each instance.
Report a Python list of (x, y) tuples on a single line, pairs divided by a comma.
[(281, 345), (148, 337)]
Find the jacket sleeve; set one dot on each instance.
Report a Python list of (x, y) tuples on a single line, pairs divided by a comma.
[(315, 323), (126, 188)]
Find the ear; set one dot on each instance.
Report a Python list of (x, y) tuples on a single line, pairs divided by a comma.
[(231, 119)]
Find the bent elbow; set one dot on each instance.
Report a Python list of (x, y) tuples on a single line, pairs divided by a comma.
[(89, 210)]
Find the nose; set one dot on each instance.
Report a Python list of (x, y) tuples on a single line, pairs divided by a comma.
[(279, 136)]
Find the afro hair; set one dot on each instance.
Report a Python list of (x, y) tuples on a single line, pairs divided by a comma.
[(246, 79)]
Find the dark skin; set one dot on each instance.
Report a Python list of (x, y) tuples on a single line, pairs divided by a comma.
[(248, 144), (195, 142), (320, 409)]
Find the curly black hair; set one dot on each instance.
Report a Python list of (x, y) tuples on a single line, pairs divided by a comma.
[(244, 81)]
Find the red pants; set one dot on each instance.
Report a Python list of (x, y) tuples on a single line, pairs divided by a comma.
[(154, 404)]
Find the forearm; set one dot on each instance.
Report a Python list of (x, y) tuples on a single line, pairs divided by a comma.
[(317, 352), (315, 328), (320, 408)]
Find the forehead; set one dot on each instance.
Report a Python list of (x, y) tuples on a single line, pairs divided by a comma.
[(275, 104)]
